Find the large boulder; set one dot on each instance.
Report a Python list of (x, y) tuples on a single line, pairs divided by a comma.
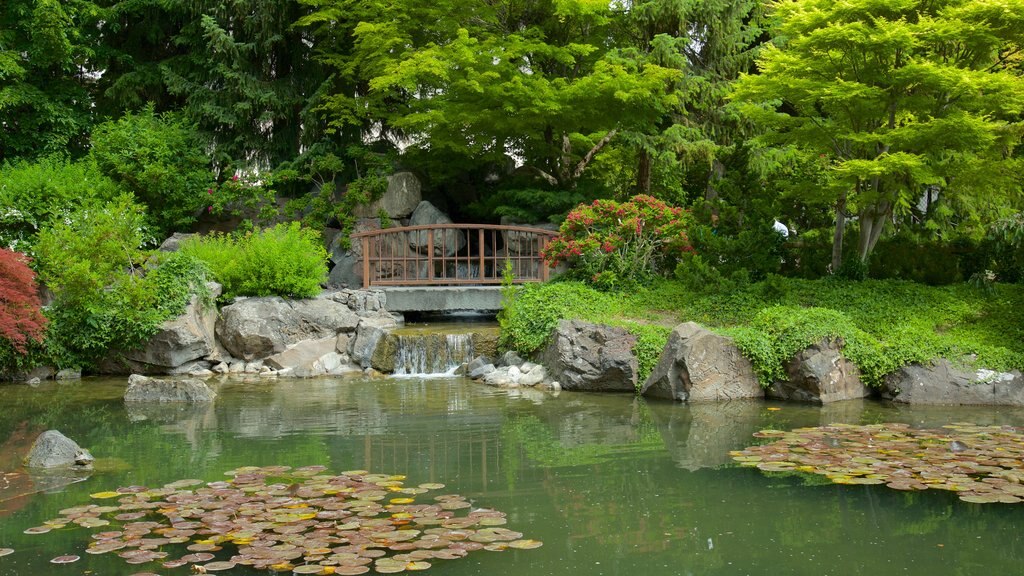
[(369, 333), (145, 389), (698, 365), (55, 450), (592, 357), (347, 255), (256, 328), (820, 374), (943, 383), (188, 337), (174, 241), (446, 243), (404, 193)]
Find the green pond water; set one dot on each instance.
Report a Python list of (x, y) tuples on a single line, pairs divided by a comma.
[(612, 485)]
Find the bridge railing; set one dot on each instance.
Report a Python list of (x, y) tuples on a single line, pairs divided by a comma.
[(452, 254)]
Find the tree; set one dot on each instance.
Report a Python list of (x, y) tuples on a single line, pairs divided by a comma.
[(895, 96), (536, 80), (46, 69), (21, 321)]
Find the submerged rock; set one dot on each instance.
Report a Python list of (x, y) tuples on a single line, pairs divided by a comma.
[(943, 383), (145, 389), (591, 357), (55, 450), (820, 374), (698, 365)]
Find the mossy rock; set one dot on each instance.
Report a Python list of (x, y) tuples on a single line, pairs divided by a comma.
[(384, 355)]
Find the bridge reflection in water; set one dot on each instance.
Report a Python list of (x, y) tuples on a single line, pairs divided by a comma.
[(451, 254)]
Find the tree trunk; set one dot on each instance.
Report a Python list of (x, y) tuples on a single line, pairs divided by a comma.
[(643, 173), (872, 221), (714, 177), (837, 237)]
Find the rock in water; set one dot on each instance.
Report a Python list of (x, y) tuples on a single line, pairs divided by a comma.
[(144, 389), (699, 365), (55, 450), (591, 357), (820, 374)]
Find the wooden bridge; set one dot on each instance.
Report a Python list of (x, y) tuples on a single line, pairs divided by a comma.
[(452, 255), (449, 267)]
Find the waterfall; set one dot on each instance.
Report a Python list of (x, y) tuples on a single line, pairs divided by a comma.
[(437, 354)]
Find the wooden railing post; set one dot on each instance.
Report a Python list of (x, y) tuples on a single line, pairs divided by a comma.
[(366, 261), (430, 254)]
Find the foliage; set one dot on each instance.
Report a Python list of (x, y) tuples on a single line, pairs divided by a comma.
[(897, 99), (21, 321), (93, 263), (531, 205), (46, 52), (612, 245), (752, 252), (1004, 246), (885, 324), (36, 193), (286, 260), (161, 159)]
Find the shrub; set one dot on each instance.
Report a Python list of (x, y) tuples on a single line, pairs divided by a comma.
[(613, 245), (161, 159), (21, 321), (35, 194), (286, 260)]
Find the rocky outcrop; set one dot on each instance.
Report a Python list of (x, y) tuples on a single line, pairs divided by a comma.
[(55, 450), (260, 327), (943, 383), (698, 365), (144, 389), (591, 357), (404, 193), (347, 255), (820, 374), (189, 337), (173, 242), (445, 243)]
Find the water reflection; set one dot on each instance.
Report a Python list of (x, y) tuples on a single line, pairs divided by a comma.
[(610, 483)]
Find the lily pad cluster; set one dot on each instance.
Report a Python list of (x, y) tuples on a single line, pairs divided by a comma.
[(282, 519), (981, 464)]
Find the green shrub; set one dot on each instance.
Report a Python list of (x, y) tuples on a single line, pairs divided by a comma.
[(286, 260), (35, 194), (104, 298), (162, 160)]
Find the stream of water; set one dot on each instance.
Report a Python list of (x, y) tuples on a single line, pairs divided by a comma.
[(611, 484)]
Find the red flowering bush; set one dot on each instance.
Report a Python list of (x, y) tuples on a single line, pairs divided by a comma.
[(612, 245), (21, 321)]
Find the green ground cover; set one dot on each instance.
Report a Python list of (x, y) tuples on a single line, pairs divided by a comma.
[(885, 324)]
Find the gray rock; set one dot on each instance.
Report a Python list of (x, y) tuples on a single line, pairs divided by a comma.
[(260, 327), (173, 242), (698, 365), (820, 374), (481, 371), (188, 368), (308, 358), (365, 302), (478, 363), (55, 450), (524, 243), (144, 389), (510, 358), (369, 333), (69, 374), (221, 368), (500, 378), (446, 242), (593, 357), (347, 256), (404, 193), (535, 376), (188, 337), (38, 373), (943, 383)]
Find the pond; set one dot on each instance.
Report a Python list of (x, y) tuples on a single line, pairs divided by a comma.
[(610, 484)]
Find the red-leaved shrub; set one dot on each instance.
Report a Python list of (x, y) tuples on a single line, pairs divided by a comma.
[(21, 320)]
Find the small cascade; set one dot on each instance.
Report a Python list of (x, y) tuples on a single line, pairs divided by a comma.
[(432, 354)]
